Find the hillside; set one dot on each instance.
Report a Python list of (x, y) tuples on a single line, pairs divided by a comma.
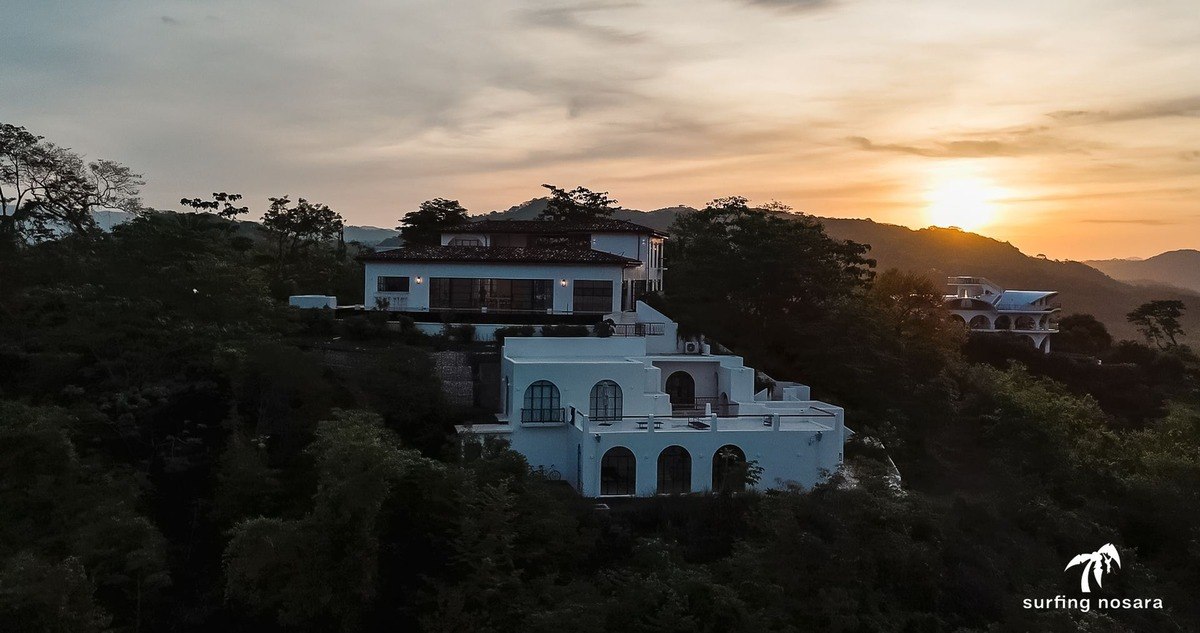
[(1180, 269), (939, 253)]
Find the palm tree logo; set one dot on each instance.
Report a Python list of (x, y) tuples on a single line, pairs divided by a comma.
[(1098, 563)]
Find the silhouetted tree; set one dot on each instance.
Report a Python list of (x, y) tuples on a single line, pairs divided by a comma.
[(1158, 321), (46, 189), (1082, 334), (295, 229), (578, 204), (222, 204), (425, 225)]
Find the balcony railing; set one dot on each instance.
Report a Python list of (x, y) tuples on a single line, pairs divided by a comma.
[(697, 407), (639, 329), (545, 416)]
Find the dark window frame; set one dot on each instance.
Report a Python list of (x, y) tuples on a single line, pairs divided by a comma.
[(382, 283)]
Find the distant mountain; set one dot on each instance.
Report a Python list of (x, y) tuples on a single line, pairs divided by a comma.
[(365, 235), (369, 235), (1180, 269), (939, 253)]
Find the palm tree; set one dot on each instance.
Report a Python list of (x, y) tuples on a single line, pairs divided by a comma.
[(1105, 556)]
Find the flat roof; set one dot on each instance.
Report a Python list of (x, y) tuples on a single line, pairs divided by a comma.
[(501, 254)]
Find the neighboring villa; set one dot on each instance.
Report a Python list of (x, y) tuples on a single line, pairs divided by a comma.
[(986, 307), (652, 414), (635, 413)]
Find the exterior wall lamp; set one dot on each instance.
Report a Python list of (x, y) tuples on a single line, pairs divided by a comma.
[(562, 282), (419, 281)]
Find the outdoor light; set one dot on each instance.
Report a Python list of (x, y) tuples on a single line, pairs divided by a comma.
[(563, 283), (419, 281)]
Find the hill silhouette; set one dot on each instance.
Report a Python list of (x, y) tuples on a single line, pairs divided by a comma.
[(1180, 269), (938, 253)]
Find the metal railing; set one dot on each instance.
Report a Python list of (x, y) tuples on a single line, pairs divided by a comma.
[(697, 406), (548, 416), (638, 329)]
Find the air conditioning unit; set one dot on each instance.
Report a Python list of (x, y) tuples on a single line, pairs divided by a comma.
[(691, 347)]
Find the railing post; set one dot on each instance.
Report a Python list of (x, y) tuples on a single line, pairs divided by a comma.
[(708, 409), (650, 423), (775, 421), (712, 422)]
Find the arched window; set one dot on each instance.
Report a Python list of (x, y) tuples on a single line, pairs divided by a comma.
[(729, 469), (674, 471), (1003, 322), (542, 403), (681, 388), (980, 322), (1026, 323), (605, 401), (618, 472)]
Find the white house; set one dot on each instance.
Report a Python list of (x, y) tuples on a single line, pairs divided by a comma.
[(514, 271), (984, 306), (649, 414)]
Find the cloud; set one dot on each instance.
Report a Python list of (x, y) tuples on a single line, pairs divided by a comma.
[(1169, 108), (166, 19), (573, 18), (1018, 144), (794, 5), (1132, 221)]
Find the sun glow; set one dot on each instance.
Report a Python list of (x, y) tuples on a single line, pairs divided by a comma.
[(959, 198)]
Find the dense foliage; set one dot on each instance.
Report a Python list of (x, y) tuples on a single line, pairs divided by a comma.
[(179, 452)]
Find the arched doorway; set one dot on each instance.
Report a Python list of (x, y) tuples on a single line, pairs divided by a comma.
[(1026, 323), (605, 401), (729, 469), (674, 471), (958, 320), (980, 322), (681, 388), (618, 472), (1003, 322)]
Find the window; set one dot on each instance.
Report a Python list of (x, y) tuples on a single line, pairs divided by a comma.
[(674, 471), (605, 401), (551, 240), (465, 293), (542, 403), (593, 296), (729, 469), (465, 241), (618, 472), (391, 284)]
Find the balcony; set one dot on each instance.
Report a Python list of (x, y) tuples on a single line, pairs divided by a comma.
[(544, 417), (700, 405), (638, 329)]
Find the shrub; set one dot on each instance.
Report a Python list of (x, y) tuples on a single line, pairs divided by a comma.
[(564, 330), (603, 329), (512, 330), (464, 333)]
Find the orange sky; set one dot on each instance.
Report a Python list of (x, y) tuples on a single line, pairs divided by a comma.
[(1068, 128)]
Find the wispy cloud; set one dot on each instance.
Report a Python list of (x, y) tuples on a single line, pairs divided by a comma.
[(573, 17), (1170, 108)]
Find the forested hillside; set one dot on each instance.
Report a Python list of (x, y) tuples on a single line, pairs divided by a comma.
[(179, 451), (1180, 269)]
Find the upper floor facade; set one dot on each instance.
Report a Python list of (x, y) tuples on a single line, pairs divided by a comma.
[(509, 267), (984, 306)]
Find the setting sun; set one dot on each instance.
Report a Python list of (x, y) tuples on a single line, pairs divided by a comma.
[(962, 200)]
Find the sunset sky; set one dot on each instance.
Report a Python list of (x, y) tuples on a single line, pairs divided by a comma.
[(1068, 127)]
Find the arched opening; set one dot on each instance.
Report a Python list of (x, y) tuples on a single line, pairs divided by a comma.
[(729, 469), (1045, 346), (980, 322), (958, 320), (542, 403), (681, 388), (1026, 323), (1045, 322), (1028, 339), (674, 471), (1003, 322), (605, 401), (618, 472)]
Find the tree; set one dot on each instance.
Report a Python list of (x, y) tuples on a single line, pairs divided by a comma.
[(425, 225), (221, 204), (1158, 321), (295, 229), (579, 204), (1082, 334), (46, 189)]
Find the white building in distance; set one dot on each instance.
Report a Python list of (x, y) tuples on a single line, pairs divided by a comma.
[(650, 414), (984, 306)]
